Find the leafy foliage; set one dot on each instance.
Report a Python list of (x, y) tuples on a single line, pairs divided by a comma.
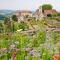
[(23, 26), (1, 27), (7, 25), (14, 18), (46, 7)]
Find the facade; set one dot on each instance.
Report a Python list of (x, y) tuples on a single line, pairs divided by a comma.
[(22, 15), (25, 13), (38, 13)]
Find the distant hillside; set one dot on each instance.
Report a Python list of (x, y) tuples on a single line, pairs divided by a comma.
[(5, 12), (2, 17)]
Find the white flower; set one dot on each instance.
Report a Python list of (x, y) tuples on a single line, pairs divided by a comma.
[(12, 46), (17, 42), (27, 49)]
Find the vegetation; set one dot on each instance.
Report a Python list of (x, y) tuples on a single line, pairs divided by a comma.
[(23, 26), (25, 44), (30, 40), (14, 18), (1, 27), (46, 7)]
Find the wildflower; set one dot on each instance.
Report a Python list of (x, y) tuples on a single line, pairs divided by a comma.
[(56, 57), (33, 53), (3, 50), (12, 46), (27, 49), (17, 42)]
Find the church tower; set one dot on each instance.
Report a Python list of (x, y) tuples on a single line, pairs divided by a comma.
[(40, 9), (40, 12)]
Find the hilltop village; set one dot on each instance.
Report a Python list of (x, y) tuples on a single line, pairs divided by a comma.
[(38, 15)]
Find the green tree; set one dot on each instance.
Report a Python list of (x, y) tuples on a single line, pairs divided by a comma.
[(46, 7), (1, 27), (58, 14), (6, 20), (14, 18), (8, 25)]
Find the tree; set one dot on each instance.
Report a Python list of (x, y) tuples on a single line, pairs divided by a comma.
[(14, 18), (6, 20), (58, 14), (8, 25), (46, 7), (1, 27)]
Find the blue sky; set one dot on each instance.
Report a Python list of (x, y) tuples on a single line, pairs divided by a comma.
[(27, 4)]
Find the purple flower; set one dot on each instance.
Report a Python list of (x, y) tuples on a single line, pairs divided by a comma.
[(32, 52)]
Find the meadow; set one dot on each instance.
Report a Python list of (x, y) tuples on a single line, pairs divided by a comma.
[(42, 45)]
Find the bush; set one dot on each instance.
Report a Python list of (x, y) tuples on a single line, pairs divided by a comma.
[(23, 26)]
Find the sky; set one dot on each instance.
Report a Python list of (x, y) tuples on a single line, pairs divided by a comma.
[(27, 4)]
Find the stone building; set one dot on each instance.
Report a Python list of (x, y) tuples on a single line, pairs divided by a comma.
[(48, 13), (22, 15), (38, 14)]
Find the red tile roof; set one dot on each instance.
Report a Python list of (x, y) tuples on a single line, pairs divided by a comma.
[(23, 11), (50, 11), (19, 12)]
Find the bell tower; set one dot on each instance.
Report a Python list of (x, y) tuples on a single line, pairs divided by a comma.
[(40, 9), (40, 12)]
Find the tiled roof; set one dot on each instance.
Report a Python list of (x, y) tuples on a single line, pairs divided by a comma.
[(50, 11), (23, 11), (19, 12)]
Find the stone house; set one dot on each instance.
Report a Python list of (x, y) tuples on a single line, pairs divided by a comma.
[(48, 13), (22, 15), (38, 14)]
